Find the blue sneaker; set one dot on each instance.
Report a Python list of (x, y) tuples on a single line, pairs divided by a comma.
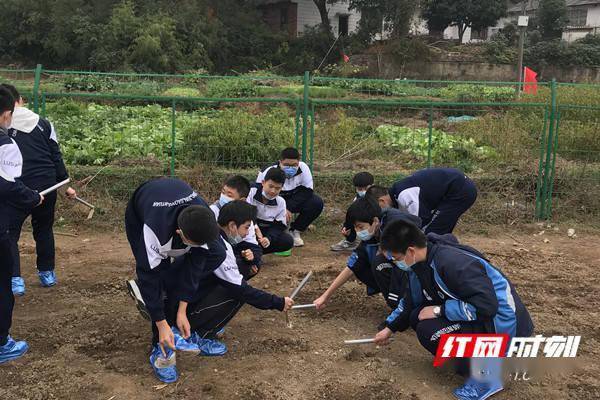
[(209, 347), (47, 278), (18, 286), (165, 368), (477, 390), (183, 344), (12, 350)]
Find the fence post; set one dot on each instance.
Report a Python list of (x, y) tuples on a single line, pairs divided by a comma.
[(539, 197), (430, 137), (305, 113), (312, 135), (553, 165), (297, 127), (36, 88), (173, 132), (548, 155)]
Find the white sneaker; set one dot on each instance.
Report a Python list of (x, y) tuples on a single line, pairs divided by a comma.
[(298, 242), (345, 245)]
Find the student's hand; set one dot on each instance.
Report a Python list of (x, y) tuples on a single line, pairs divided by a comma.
[(345, 231), (71, 193), (288, 304), (383, 336), (321, 302), (248, 255), (41, 200), (288, 216), (165, 335), (254, 270), (184, 325), (427, 313), (264, 242)]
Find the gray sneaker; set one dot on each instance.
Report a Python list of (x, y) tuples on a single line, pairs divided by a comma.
[(345, 245)]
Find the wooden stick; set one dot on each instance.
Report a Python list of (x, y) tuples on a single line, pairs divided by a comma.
[(55, 187), (294, 293), (303, 306), (359, 341)]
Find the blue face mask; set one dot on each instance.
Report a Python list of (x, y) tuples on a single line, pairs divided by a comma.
[(364, 235), (400, 264), (290, 172), (233, 240), (361, 193), (224, 200)]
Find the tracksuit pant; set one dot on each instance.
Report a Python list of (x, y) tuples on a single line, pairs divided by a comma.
[(280, 239), (445, 217), (245, 266), (308, 209), (7, 300)]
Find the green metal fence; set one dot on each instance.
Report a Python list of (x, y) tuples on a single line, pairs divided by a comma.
[(530, 154)]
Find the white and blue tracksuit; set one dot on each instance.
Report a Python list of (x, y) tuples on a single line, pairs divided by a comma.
[(14, 197), (474, 296), (299, 195), (439, 196), (43, 167)]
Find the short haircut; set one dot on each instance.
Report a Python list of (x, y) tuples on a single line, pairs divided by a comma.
[(275, 174), (364, 209), (376, 192), (363, 179), (399, 235), (13, 90), (7, 101), (237, 211), (290, 153), (198, 224), (240, 184)]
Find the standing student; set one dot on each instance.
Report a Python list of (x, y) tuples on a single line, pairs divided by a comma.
[(362, 182), (453, 288), (439, 196), (43, 167), (248, 251), (165, 219), (13, 196), (298, 193), (271, 213)]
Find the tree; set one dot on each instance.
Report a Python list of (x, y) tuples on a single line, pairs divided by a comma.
[(324, 13), (394, 15), (474, 14), (552, 18)]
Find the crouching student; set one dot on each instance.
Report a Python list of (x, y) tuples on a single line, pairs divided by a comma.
[(218, 292), (453, 288), (165, 218), (248, 251), (13, 194), (439, 196), (271, 213), (369, 267), (297, 192), (362, 182)]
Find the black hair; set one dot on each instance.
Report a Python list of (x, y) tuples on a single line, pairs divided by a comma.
[(376, 192), (237, 211), (399, 235), (198, 224), (290, 153), (363, 210), (7, 101), (12, 90), (275, 174), (363, 179), (240, 184)]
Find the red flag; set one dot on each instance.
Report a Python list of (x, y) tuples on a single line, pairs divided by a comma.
[(346, 58), (530, 80)]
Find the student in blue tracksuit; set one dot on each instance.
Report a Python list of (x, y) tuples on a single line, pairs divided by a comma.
[(453, 288), (219, 291), (14, 196), (43, 167), (439, 196), (166, 219), (298, 193), (248, 251), (365, 263)]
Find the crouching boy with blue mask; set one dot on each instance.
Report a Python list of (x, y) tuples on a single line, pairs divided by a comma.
[(365, 263), (452, 289), (297, 192), (247, 249)]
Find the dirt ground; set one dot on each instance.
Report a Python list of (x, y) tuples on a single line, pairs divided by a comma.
[(88, 341)]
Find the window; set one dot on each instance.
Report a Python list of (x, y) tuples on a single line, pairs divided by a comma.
[(343, 25), (479, 34), (577, 16)]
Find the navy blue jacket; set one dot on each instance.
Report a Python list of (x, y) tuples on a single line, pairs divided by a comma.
[(43, 165), (13, 193), (467, 287), (422, 192)]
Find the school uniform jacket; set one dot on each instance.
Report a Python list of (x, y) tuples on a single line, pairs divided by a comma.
[(36, 137), (422, 193), (271, 214), (13, 192), (466, 286), (300, 186)]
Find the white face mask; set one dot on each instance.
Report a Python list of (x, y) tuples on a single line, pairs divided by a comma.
[(266, 196), (361, 193)]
